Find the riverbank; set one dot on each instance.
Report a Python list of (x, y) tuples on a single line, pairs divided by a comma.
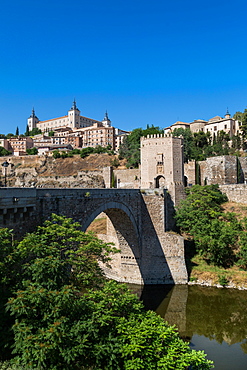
[(204, 274)]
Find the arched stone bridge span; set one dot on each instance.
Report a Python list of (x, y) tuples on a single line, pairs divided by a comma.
[(136, 223)]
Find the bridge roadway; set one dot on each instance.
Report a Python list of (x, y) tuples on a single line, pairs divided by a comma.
[(136, 222)]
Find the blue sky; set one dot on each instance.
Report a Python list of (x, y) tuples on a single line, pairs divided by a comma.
[(145, 61)]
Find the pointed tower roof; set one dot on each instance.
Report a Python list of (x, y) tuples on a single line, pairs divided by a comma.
[(227, 115), (33, 114), (74, 107), (106, 118)]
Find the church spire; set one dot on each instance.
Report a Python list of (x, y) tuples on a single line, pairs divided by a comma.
[(106, 121), (106, 118), (33, 113), (74, 105), (227, 115)]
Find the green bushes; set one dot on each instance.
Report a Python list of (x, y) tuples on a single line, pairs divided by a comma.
[(218, 236), (64, 315), (83, 152)]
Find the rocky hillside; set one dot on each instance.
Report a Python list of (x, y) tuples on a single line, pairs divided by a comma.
[(45, 171)]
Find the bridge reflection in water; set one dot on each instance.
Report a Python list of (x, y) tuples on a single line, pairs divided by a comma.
[(212, 319)]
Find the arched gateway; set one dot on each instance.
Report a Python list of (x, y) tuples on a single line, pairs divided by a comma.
[(136, 223)]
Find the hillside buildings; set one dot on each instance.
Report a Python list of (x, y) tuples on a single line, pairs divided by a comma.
[(214, 125), (76, 130)]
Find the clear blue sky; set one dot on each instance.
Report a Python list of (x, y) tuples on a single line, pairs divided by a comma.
[(145, 61)]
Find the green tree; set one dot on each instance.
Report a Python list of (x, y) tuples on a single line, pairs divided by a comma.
[(35, 131), (242, 254), (130, 148), (236, 141), (103, 329), (48, 255), (4, 151), (58, 327), (32, 151), (17, 131), (188, 142), (215, 233), (9, 135), (86, 151), (56, 154), (51, 133), (242, 117), (244, 124), (27, 133), (8, 283)]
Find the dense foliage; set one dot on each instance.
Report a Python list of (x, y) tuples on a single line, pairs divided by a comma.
[(130, 148), (33, 132), (4, 151), (84, 152), (32, 151), (218, 236), (242, 117), (56, 326), (200, 145)]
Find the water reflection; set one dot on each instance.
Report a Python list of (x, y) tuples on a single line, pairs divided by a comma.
[(210, 318)]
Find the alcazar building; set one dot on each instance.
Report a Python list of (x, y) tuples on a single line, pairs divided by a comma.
[(73, 120), (75, 131)]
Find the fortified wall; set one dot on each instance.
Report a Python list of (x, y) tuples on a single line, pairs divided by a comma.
[(220, 170), (235, 192)]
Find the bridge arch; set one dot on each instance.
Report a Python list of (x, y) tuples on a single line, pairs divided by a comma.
[(110, 205), (122, 230)]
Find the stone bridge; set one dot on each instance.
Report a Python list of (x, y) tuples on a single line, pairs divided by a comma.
[(137, 223)]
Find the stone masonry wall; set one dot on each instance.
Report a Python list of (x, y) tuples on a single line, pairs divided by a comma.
[(127, 178), (235, 193), (162, 164), (190, 172), (149, 254), (219, 170), (243, 163)]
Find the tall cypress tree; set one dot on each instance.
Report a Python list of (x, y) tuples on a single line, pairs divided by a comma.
[(27, 131)]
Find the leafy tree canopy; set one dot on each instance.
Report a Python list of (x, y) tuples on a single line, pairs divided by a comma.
[(218, 236), (4, 151), (33, 132), (58, 327), (32, 151), (130, 148)]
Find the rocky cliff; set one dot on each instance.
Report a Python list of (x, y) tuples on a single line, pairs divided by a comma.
[(45, 171)]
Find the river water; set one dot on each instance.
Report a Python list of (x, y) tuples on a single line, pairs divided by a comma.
[(211, 319)]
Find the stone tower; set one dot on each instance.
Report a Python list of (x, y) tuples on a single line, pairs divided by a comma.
[(106, 121), (74, 116), (32, 121), (162, 165)]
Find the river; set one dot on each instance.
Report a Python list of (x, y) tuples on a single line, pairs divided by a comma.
[(211, 319)]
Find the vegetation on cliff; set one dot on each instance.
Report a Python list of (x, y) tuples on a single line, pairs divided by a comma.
[(51, 324), (219, 237), (130, 148), (85, 152)]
